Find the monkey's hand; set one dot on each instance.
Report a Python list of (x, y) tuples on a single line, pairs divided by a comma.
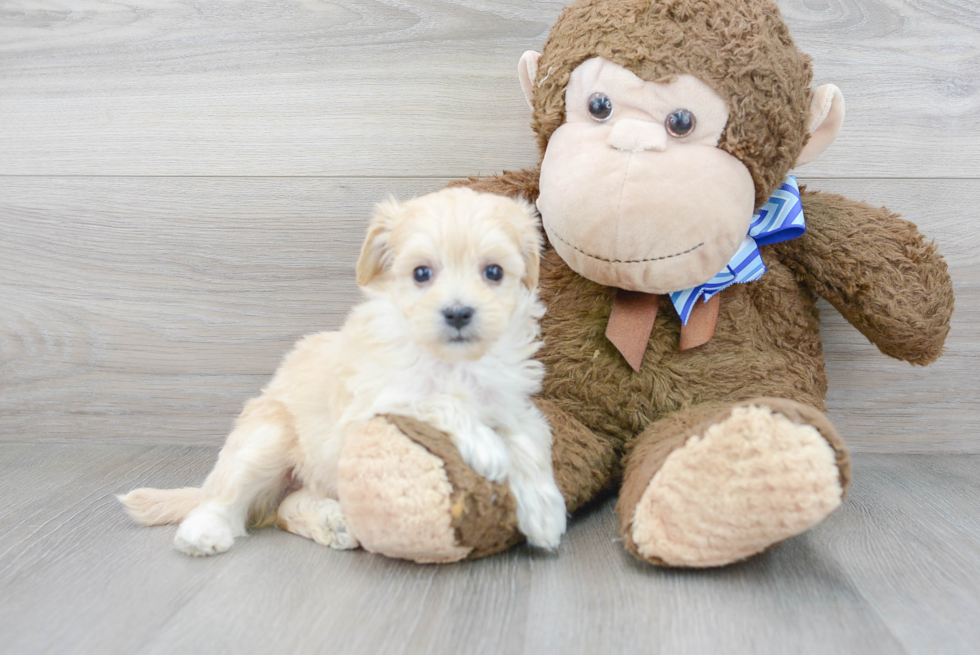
[(878, 271), (406, 492)]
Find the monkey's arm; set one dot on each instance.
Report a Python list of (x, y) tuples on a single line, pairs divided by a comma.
[(878, 271)]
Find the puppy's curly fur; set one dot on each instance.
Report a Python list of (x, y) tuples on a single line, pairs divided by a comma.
[(447, 336)]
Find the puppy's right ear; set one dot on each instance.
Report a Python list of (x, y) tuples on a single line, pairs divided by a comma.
[(375, 253), (530, 243)]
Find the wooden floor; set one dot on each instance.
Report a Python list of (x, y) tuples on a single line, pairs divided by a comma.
[(895, 570), (184, 185)]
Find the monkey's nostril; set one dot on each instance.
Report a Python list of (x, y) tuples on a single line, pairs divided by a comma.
[(458, 317)]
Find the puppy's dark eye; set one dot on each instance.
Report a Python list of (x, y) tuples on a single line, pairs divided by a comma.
[(422, 274), (680, 123), (600, 107), (493, 273)]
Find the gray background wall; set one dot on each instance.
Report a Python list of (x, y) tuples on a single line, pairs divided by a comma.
[(184, 186)]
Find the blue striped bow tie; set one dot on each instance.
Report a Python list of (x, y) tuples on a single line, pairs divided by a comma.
[(780, 219)]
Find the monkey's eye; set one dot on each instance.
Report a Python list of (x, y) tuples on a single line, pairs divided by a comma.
[(422, 274), (680, 123), (493, 273), (600, 107)]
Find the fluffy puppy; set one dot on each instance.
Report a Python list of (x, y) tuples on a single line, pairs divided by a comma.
[(447, 335)]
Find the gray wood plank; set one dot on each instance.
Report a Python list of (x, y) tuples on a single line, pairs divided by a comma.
[(891, 572), (917, 547), (791, 600), (151, 309), (184, 87), (78, 581), (166, 298)]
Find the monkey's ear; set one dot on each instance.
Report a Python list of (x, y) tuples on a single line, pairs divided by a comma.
[(375, 253), (527, 70), (823, 123)]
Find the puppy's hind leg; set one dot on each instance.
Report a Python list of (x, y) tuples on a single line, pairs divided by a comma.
[(251, 472), (320, 519)]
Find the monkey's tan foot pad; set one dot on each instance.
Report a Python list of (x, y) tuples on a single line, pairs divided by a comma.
[(407, 493), (738, 486)]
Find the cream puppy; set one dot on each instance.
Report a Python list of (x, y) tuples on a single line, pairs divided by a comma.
[(447, 335)]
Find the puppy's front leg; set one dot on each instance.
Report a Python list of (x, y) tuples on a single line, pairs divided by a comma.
[(541, 514), (480, 447)]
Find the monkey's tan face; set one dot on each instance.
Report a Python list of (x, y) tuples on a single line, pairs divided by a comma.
[(635, 193)]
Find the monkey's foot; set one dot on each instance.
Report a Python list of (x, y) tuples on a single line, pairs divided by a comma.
[(765, 471), (407, 493)]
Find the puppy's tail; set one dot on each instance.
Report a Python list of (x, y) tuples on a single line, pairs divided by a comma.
[(161, 506)]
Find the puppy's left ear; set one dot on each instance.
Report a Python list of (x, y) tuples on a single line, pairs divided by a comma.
[(375, 253), (531, 243)]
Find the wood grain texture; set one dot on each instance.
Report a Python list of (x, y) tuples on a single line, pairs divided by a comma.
[(893, 571), (150, 309), (414, 88), (167, 301)]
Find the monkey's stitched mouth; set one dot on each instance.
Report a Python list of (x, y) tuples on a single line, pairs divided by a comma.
[(624, 261)]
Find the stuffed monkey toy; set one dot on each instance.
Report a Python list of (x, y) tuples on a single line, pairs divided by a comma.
[(681, 272)]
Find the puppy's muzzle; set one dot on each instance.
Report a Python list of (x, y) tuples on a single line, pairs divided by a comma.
[(458, 317)]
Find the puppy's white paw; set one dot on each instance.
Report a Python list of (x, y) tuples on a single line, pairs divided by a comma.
[(204, 533), (333, 531), (486, 453), (541, 515)]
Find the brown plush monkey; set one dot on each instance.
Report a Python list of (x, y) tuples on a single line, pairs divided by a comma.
[(667, 130)]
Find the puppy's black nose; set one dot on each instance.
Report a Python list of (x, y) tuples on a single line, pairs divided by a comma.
[(458, 317)]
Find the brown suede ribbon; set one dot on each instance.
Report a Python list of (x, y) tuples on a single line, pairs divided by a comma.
[(631, 322)]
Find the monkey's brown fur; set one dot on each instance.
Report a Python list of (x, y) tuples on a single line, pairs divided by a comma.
[(613, 426), (876, 269)]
